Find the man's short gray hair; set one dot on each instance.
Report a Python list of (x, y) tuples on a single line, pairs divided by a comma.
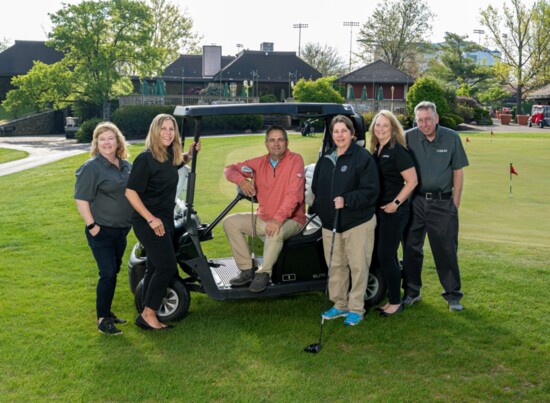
[(425, 105)]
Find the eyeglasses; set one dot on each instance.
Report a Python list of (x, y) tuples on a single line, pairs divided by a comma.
[(425, 120)]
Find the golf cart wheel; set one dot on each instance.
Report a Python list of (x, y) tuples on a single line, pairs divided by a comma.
[(376, 287), (541, 124), (175, 303), (135, 275)]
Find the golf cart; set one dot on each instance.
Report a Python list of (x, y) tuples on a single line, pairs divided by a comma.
[(301, 264)]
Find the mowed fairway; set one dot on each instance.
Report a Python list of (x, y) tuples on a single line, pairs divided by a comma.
[(497, 349)]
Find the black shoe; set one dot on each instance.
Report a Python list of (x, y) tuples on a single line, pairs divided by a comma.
[(140, 322), (260, 282), (385, 314), (408, 300), (244, 278), (108, 327), (116, 320)]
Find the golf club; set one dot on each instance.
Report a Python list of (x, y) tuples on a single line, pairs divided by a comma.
[(250, 171), (316, 347)]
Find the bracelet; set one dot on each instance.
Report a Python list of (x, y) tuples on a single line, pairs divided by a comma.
[(151, 220), (91, 226)]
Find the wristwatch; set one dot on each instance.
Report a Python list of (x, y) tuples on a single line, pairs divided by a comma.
[(397, 202), (91, 226)]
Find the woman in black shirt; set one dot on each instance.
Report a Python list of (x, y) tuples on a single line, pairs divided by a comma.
[(397, 181), (151, 190)]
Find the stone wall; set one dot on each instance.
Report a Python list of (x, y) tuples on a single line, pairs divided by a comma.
[(33, 125)]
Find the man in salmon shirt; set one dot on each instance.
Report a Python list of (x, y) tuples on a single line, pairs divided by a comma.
[(279, 188)]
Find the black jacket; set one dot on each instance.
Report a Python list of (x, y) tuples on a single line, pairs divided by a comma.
[(354, 176)]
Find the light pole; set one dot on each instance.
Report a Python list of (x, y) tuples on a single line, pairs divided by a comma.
[(392, 89), (479, 32), (300, 26), (239, 47), (182, 84), (350, 24)]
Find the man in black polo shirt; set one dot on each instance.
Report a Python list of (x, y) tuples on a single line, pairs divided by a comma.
[(439, 158)]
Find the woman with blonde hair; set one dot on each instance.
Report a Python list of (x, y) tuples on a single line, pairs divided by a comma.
[(397, 181), (151, 190), (99, 195)]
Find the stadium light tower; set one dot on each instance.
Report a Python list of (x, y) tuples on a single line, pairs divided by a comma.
[(300, 26), (350, 24)]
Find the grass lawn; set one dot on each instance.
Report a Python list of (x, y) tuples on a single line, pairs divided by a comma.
[(7, 155), (497, 349)]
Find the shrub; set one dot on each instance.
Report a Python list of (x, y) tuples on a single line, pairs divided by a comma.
[(134, 120), (466, 112), (405, 121), (268, 98), (427, 89), (447, 121), (482, 116), (368, 117), (86, 130), (457, 118)]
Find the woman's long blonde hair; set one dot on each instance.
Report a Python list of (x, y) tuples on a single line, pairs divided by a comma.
[(397, 133), (154, 143), (103, 127)]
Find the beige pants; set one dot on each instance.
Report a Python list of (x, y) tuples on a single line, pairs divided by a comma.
[(351, 258), (236, 226)]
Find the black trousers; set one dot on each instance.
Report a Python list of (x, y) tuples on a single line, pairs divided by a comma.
[(161, 261), (438, 219), (389, 234), (108, 248)]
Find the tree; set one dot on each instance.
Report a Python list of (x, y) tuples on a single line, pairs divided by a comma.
[(456, 68), (172, 32), (105, 42), (319, 90), (397, 31), (4, 44), (44, 86), (324, 58), (427, 89), (523, 35)]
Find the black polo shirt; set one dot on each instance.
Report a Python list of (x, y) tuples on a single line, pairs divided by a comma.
[(391, 162), (103, 184), (155, 182), (435, 161)]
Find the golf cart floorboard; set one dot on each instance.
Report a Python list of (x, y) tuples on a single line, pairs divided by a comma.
[(224, 270)]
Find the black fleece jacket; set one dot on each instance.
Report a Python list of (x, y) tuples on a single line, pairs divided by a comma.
[(354, 176)]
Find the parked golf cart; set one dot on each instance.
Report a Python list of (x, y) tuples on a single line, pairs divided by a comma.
[(301, 265)]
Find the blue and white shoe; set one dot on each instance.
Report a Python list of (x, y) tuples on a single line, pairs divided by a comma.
[(353, 319), (334, 313)]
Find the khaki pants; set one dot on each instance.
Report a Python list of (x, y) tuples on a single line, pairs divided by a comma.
[(236, 226), (351, 258)]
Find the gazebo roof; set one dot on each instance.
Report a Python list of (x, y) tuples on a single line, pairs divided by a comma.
[(379, 71)]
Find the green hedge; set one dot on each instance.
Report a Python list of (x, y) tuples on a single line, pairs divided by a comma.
[(134, 120), (482, 116), (86, 130)]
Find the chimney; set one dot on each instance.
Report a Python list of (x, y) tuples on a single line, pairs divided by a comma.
[(211, 60)]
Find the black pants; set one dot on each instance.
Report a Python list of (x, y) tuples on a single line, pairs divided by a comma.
[(388, 237), (161, 261), (439, 219), (108, 248)]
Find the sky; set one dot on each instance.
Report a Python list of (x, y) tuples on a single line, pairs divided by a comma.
[(249, 23)]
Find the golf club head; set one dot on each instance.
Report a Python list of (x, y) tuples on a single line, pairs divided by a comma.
[(247, 169), (313, 348)]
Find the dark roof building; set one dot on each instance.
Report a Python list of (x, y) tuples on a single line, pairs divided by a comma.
[(270, 72), (18, 59)]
